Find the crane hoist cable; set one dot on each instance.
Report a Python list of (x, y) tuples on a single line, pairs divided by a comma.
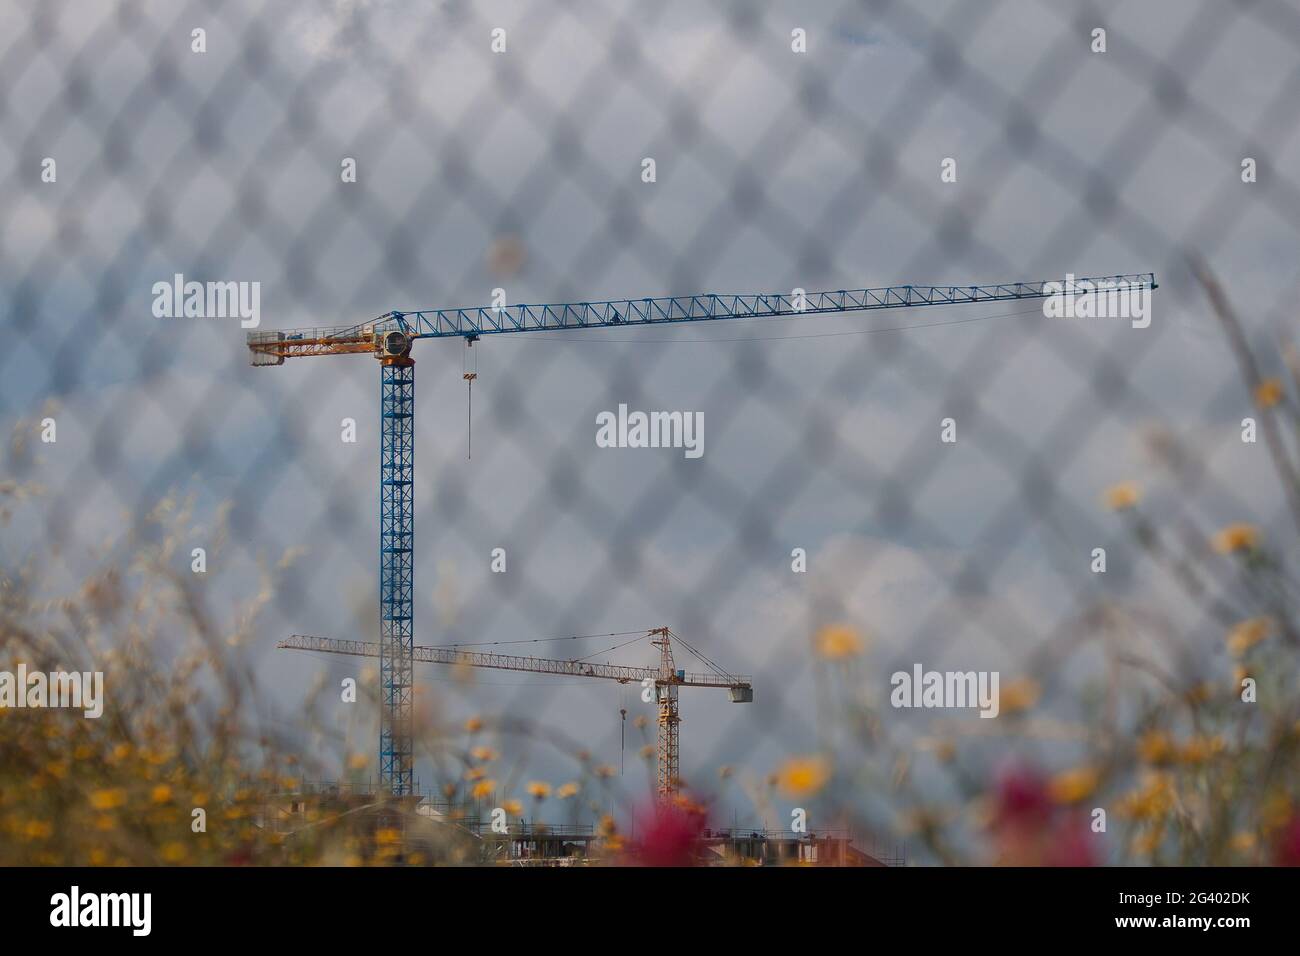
[(469, 372), (622, 728)]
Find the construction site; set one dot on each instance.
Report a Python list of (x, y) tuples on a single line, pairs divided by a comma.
[(389, 339), (444, 832), (861, 434)]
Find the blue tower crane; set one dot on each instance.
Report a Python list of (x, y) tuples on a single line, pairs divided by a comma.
[(389, 338)]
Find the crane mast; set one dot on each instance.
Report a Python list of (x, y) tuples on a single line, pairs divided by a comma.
[(389, 338), (668, 775)]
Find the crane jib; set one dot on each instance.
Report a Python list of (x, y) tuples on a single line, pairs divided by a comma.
[(271, 347)]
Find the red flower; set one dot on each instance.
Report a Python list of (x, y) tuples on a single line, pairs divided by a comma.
[(667, 836), (1287, 850)]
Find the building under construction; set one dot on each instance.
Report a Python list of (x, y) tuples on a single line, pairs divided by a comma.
[(420, 830)]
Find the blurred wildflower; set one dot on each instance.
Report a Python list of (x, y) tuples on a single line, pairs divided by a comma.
[(1268, 392), (1030, 829), (108, 799), (1286, 847), (803, 776), (38, 829), (1201, 748), (1243, 841), (1152, 799), (837, 642), (1247, 634), (1156, 747), (1071, 786), (667, 836), (1236, 537), (1123, 496), (1019, 695)]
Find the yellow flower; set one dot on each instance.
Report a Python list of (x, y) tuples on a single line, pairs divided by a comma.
[(483, 754), (473, 725), (358, 761), (539, 790), (475, 773), (1242, 841), (803, 776), (1276, 810), (1122, 496), (108, 799), (1268, 392), (1148, 841), (1236, 537), (1020, 694), (836, 642), (483, 788), (605, 771), (1071, 786), (1247, 634), (1201, 748), (513, 808), (1155, 747), (173, 852), (387, 836), (38, 829), (1151, 800), (161, 793), (567, 790)]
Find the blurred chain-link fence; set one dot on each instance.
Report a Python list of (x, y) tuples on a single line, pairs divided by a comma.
[(354, 158)]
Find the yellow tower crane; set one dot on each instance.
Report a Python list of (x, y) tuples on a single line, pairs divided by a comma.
[(666, 679)]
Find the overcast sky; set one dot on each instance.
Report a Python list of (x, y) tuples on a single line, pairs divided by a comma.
[(775, 170)]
